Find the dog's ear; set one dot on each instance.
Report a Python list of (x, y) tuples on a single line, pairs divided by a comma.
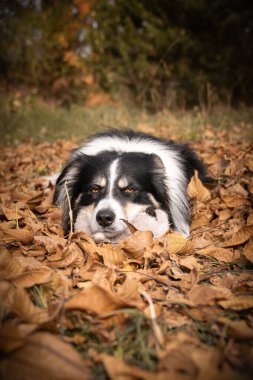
[(158, 180), (67, 187)]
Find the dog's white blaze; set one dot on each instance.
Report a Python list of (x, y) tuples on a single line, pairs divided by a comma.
[(175, 179), (112, 176)]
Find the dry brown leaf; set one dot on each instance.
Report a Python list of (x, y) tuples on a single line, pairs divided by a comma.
[(118, 369), (95, 299), (250, 218), (239, 237), (12, 335), (8, 266), (178, 244), (220, 254), (21, 305), (177, 360), (101, 299), (135, 245), (199, 220), (208, 295), (248, 250), (37, 276), (236, 329), (235, 201), (238, 303), (235, 167), (189, 262), (200, 242), (44, 357), (11, 212), (249, 162), (71, 255), (20, 234), (225, 215), (208, 361), (197, 190), (111, 255), (50, 243)]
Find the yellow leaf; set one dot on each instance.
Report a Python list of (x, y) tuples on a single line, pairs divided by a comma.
[(178, 244)]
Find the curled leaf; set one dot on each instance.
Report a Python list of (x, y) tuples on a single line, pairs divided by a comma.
[(197, 190), (178, 244)]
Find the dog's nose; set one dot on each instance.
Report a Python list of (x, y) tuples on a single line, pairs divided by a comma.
[(105, 217)]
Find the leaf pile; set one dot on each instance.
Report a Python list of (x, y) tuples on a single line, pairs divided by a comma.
[(165, 308)]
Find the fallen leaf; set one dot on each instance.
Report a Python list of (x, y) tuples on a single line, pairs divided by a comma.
[(71, 255), (101, 300), (8, 266), (118, 369), (233, 201), (45, 357), (220, 254), (238, 303), (208, 295), (111, 255), (50, 243), (248, 251), (178, 244), (21, 305), (27, 279), (239, 237), (11, 212), (20, 234), (135, 245), (236, 329), (197, 190), (12, 335)]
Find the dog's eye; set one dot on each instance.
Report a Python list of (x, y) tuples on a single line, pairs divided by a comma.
[(129, 189), (94, 189)]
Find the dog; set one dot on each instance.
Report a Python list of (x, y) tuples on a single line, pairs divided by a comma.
[(119, 176)]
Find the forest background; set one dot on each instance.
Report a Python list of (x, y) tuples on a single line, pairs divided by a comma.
[(149, 55)]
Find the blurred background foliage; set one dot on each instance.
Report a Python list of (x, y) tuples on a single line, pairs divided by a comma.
[(156, 54)]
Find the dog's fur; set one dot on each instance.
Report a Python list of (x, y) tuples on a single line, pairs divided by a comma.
[(121, 175)]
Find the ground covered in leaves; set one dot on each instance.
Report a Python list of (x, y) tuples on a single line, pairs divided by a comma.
[(166, 308)]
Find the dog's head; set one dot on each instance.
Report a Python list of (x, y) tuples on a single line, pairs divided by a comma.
[(110, 187)]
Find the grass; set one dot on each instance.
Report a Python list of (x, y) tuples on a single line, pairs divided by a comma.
[(132, 342), (31, 118)]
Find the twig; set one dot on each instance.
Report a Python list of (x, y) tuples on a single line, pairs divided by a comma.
[(16, 209), (70, 209), (156, 328)]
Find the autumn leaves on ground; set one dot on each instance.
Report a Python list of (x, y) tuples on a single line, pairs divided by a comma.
[(166, 308)]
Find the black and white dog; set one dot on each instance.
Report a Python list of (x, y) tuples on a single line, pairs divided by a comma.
[(124, 175)]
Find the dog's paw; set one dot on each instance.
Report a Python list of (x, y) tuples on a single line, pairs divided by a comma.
[(152, 219)]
